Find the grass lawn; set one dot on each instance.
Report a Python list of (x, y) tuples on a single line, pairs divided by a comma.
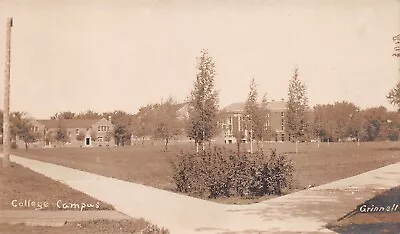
[(22, 185), (151, 165), (95, 227)]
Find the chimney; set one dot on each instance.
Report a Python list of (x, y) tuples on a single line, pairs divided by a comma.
[(109, 118)]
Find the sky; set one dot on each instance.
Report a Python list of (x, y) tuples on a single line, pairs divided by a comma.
[(121, 55)]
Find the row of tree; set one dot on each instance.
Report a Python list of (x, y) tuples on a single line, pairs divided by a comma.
[(160, 121)]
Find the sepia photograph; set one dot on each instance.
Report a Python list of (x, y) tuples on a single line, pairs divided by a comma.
[(192, 117)]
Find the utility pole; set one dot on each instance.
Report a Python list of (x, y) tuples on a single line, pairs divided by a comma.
[(6, 108)]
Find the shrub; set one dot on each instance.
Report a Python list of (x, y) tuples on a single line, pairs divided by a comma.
[(221, 173), (154, 229)]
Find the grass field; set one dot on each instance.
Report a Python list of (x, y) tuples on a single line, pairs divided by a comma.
[(24, 186), (86, 227), (20, 184), (151, 165)]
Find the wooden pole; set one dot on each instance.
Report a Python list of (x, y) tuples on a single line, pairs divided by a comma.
[(6, 108)]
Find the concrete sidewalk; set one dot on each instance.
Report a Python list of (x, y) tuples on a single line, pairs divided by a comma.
[(302, 212)]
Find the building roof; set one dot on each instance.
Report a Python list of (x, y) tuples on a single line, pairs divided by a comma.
[(239, 106), (68, 123)]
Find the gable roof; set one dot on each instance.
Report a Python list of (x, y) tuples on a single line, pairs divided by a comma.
[(69, 123)]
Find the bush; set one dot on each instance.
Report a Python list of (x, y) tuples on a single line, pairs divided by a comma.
[(221, 173), (154, 229)]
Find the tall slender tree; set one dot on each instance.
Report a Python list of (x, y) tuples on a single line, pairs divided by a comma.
[(296, 118), (203, 102), (263, 130), (256, 114), (251, 111)]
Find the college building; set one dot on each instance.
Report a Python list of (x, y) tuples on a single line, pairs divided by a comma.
[(233, 122)]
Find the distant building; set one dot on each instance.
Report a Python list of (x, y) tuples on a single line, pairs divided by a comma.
[(233, 122), (80, 132)]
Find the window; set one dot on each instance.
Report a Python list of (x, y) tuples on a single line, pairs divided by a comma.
[(100, 139), (283, 136), (282, 114), (103, 128), (35, 129), (283, 127), (230, 131), (77, 131)]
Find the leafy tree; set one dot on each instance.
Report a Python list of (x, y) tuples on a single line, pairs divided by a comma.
[(167, 123), (123, 126), (22, 127), (263, 131), (396, 40), (143, 123), (394, 94), (121, 134), (256, 115), (93, 134), (61, 134), (89, 114), (203, 102), (338, 121), (250, 111), (376, 123), (63, 115), (296, 118), (109, 136), (345, 114), (49, 137), (80, 136)]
